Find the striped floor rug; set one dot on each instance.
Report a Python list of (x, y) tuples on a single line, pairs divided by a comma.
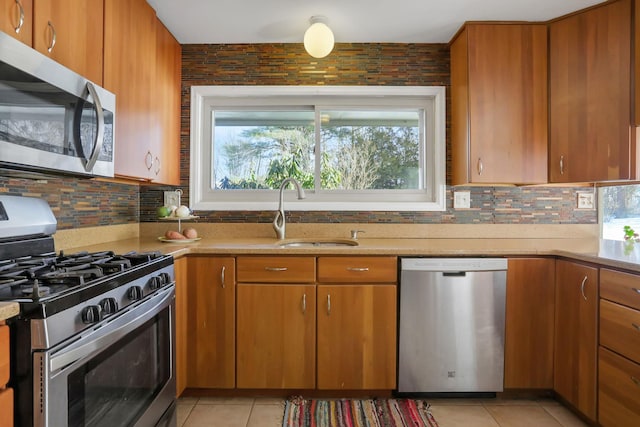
[(301, 412)]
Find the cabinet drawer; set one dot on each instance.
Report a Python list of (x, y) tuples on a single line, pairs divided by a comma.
[(357, 269), (620, 329), (276, 269), (618, 390), (623, 288), (4, 355), (6, 407)]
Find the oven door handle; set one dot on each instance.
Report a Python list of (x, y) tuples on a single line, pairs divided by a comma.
[(111, 330)]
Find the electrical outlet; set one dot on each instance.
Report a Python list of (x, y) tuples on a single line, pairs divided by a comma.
[(461, 199), (586, 200), (171, 198)]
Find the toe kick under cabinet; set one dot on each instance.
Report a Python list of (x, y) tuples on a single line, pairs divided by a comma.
[(306, 322)]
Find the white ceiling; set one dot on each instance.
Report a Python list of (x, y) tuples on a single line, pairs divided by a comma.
[(352, 21)]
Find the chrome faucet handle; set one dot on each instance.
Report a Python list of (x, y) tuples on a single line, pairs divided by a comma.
[(354, 234)]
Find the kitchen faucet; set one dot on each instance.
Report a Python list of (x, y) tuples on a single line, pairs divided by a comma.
[(279, 221)]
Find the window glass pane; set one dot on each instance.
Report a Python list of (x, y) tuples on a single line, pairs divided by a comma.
[(370, 150), (259, 149), (620, 207)]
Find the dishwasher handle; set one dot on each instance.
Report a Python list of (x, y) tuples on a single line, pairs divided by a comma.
[(454, 273)]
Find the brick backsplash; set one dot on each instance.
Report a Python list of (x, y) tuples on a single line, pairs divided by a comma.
[(85, 203)]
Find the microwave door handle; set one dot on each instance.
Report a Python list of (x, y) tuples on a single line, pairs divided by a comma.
[(99, 139)]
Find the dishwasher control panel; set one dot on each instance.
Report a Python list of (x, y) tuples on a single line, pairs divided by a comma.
[(454, 264)]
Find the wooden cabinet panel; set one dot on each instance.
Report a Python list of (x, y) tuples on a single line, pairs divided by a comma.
[(618, 397), (623, 288), (499, 104), (276, 336), (530, 311), (129, 72), (356, 337), (182, 326), (77, 25), (4, 355), (576, 335), (6, 407), (358, 269), (278, 269), (590, 95), (10, 12), (620, 329), (211, 319), (167, 103)]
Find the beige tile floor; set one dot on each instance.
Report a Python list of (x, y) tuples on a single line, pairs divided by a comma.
[(268, 412)]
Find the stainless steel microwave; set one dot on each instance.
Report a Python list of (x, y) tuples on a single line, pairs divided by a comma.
[(52, 120)]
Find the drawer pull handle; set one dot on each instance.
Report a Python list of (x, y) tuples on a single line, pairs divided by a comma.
[(304, 303), (222, 271), (636, 326), (635, 380), (358, 268), (584, 282), (276, 268), (20, 18), (636, 290), (328, 304), (480, 166)]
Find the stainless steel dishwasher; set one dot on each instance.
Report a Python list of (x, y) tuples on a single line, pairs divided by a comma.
[(451, 327)]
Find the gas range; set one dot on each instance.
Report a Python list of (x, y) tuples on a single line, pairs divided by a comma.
[(93, 342)]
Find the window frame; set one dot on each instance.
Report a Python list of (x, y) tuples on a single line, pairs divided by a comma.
[(430, 98)]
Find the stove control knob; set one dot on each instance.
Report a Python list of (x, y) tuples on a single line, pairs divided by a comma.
[(155, 283), (91, 314), (109, 306), (166, 278), (135, 293)]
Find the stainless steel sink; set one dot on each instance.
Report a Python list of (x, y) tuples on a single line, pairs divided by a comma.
[(309, 243)]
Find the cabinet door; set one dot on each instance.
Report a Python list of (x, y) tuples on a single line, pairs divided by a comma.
[(576, 335), (182, 327), (211, 334), (16, 19), (500, 130), (129, 61), (528, 358), (75, 26), (276, 336), (357, 337), (590, 95), (167, 102)]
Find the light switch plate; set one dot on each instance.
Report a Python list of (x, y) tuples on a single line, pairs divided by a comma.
[(586, 200), (461, 199), (171, 198)]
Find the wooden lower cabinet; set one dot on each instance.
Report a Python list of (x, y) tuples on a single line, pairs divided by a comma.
[(276, 336), (182, 326), (211, 322), (530, 311), (6, 394), (576, 320), (618, 396), (356, 337)]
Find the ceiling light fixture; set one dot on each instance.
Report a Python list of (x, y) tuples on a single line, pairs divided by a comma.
[(318, 39)]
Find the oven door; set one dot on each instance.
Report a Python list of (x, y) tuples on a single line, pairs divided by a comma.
[(119, 373)]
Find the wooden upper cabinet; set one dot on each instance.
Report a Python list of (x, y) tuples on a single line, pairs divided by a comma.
[(590, 95), (167, 102), (16, 19), (129, 72), (70, 32), (499, 104)]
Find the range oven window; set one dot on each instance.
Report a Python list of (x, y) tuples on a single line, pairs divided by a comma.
[(116, 386)]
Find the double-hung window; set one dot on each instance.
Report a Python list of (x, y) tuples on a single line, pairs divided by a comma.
[(351, 148)]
